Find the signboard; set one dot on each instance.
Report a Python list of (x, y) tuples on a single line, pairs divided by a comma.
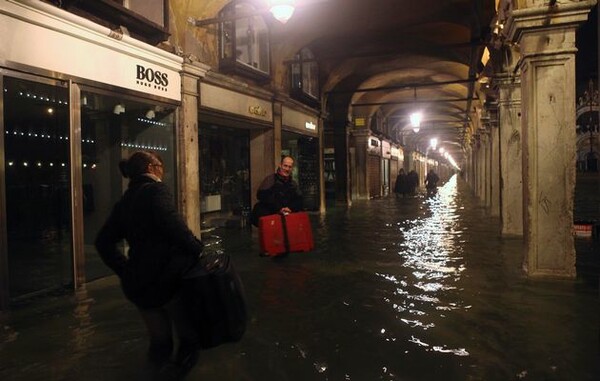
[(218, 98), (43, 36), (300, 121)]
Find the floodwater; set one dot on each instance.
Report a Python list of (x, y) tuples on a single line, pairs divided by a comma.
[(396, 289)]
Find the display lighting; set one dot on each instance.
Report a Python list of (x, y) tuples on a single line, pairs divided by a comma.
[(44, 136), (40, 164), (150, 114), (143, 146), (152, 122), (119, 109), (88, 141), (41, 97)]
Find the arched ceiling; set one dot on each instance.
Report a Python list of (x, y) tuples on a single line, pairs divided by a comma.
[(375, 55)]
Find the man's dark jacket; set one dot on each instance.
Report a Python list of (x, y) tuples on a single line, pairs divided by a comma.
[(276, 192), (161, 246)]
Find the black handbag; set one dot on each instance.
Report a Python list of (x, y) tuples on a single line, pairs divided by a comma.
[(215, 301)]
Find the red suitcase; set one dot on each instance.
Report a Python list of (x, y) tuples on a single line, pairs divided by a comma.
[(270, 235), (279, 234), (299, 232)]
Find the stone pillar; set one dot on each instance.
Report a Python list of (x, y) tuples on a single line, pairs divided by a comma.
[(480, 162), (341, 137), (277, 125), (467, 165), (487, 163), (188, 175), (511, 174), (322, 203), (495, 170), (474, 167), (360, 177), (546, 38), (409, 163)]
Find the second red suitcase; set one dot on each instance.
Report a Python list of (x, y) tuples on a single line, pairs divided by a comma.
[(280, 234), (299, 232)]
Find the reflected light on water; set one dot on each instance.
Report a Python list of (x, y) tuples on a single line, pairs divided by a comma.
[(430, 251)]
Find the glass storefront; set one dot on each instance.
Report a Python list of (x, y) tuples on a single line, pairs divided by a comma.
[(224, 175), (38, 188), (112, 128), (305, 150), (37, 147)]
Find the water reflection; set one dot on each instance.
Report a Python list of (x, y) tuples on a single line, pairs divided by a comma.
[(429, 250), (410, 289)]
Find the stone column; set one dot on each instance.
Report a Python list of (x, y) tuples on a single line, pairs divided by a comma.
[(546, 38), (511, 174), (480, 163), (341, 145), (474, 168), (360, 179), (467, 165), (487, 163), (277, 126), (495, 170), (322, 203), (188, 177)]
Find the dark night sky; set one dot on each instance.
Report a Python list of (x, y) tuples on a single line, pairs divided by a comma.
[(587, 55)]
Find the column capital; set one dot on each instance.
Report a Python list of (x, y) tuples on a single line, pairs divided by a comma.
[(506, 80), (195, 69), (537, 15)]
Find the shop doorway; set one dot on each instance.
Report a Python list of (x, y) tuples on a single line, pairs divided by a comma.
[(224, 176), (305, 150)]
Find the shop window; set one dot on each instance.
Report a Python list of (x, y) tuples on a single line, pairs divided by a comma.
[(224, 175), (244, 42), (38, 188), (305, 78), (146, 20), (112, 128)]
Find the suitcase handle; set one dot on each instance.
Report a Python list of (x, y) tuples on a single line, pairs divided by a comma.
[(286, 241)]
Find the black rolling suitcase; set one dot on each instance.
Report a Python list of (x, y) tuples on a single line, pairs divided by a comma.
[(215, 302)]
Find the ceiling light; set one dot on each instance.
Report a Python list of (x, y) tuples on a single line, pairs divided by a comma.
[(433, 142), (282, 10), (415, 121)]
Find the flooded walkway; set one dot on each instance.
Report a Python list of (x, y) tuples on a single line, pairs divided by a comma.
[(396, 289)]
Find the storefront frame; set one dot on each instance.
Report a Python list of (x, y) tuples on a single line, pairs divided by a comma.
[(78, 258), (122, 66)]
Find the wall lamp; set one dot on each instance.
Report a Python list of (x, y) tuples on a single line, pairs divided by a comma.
[(415, 117), (282, 11), (433, 143), (415, 121)]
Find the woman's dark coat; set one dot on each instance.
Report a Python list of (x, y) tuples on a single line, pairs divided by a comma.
[(161, 246)]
